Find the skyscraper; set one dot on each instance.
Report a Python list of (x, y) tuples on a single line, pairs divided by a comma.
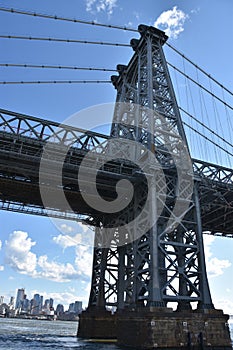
[(19, 298), (59, 309), (36, 304), (75, 307), (12, 301), (51, 302), (78, 307)]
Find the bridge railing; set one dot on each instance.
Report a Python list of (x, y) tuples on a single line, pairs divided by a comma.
[(212, 172), (43, 130)]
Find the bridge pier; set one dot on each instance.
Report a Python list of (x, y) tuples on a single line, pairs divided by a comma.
[(163, 328), (97, 324), (159, 328)]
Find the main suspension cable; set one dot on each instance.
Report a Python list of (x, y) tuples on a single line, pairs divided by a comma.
[(19, 65), (67, 19), (93, 23), (56, 82), (22, 37)]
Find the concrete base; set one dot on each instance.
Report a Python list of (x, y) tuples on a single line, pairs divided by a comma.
[(163, 328), (159, 328), (97, 324)]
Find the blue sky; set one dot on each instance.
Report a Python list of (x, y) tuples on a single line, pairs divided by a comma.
[(34, 253)]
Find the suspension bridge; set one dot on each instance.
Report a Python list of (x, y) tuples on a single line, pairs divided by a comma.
[(140, 272)]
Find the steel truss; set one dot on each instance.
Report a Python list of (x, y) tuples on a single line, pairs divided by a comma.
[(165, 264), (22, 138), (215, 187)]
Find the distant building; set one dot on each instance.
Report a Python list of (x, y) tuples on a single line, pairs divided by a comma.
[(60, 309), (41, 303), (36, 304), (75, 308), (1, 299), (78, 305), (12, 302), (71, 308), (19, 298), (26, 305), (46, 306), (31, 304), (51, 302)]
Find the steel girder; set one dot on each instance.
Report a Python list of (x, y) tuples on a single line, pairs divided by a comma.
[(215, 187), (21, 144)]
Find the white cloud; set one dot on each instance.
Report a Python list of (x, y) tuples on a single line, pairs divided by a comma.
[(225, 305), (197, 10), (83, 260), (1, 268), (66, 228), (55, 271), (84, 228), (89, 4), (18, 254), (74, 234), (136, 14), (215, 267), (0, 244), (172, 22), (101, 5), (66, 241)]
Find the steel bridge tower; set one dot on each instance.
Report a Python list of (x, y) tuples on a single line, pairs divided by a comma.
[(164, 266)]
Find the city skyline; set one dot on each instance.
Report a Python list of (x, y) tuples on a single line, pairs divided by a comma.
[(21, 295), (38, 307)]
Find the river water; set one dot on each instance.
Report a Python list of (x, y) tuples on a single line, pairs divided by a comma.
[(19, 334)]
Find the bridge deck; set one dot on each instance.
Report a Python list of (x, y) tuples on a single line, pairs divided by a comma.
[(20, 154)]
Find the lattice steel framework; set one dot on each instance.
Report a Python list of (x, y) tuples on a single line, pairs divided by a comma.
[(166, 264), (123, 276), (22, 138)]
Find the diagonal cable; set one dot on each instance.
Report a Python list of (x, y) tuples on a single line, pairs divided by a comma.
[(202, 135), (205, 126), (199, 68), (200, 86)]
